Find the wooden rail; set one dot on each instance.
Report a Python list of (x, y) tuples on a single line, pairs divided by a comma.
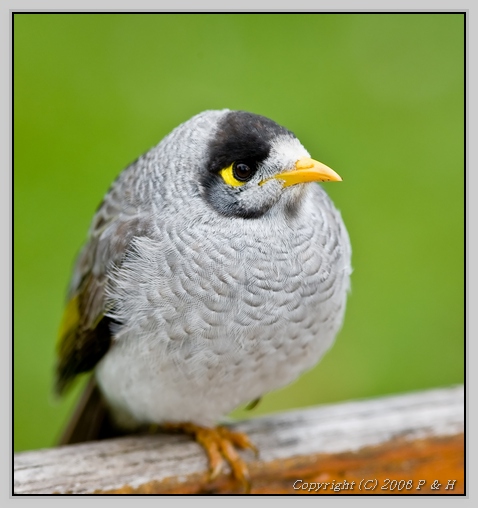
[(403, 444)]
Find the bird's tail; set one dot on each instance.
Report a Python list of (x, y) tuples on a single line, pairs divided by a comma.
[(91, 420)]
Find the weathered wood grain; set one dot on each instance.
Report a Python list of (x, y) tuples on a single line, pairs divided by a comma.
[(416, 436)]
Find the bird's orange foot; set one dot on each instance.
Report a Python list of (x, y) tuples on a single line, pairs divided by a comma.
[(220, 443)]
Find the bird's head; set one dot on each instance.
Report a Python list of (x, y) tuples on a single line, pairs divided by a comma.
[(250, 163)]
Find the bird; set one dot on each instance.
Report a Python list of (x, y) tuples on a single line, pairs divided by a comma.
[(216, 270)]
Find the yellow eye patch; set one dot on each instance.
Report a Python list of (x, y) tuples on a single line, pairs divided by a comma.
[(228, 176)]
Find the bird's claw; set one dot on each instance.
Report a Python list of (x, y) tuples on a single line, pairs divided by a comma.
[(220, 444)]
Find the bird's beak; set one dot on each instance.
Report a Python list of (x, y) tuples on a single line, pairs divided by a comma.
[(308, 170)]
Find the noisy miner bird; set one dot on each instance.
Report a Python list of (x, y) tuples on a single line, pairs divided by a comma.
[(215, 271)]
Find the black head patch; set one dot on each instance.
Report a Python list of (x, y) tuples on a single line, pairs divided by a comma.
[(242, 136)]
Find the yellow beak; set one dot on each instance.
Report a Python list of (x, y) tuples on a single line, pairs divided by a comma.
[(308, 170)]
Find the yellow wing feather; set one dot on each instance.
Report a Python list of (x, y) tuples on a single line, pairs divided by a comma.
[(69, 323)]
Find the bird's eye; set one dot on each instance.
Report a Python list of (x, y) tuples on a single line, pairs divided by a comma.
[(238, 173), (242, 171)]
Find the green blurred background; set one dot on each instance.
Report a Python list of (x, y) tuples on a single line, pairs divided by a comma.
[(378, 97)]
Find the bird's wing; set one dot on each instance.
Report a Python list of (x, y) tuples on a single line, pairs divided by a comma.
[(85, 333)]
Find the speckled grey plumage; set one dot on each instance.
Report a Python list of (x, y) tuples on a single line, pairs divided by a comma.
[(213, 310)]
